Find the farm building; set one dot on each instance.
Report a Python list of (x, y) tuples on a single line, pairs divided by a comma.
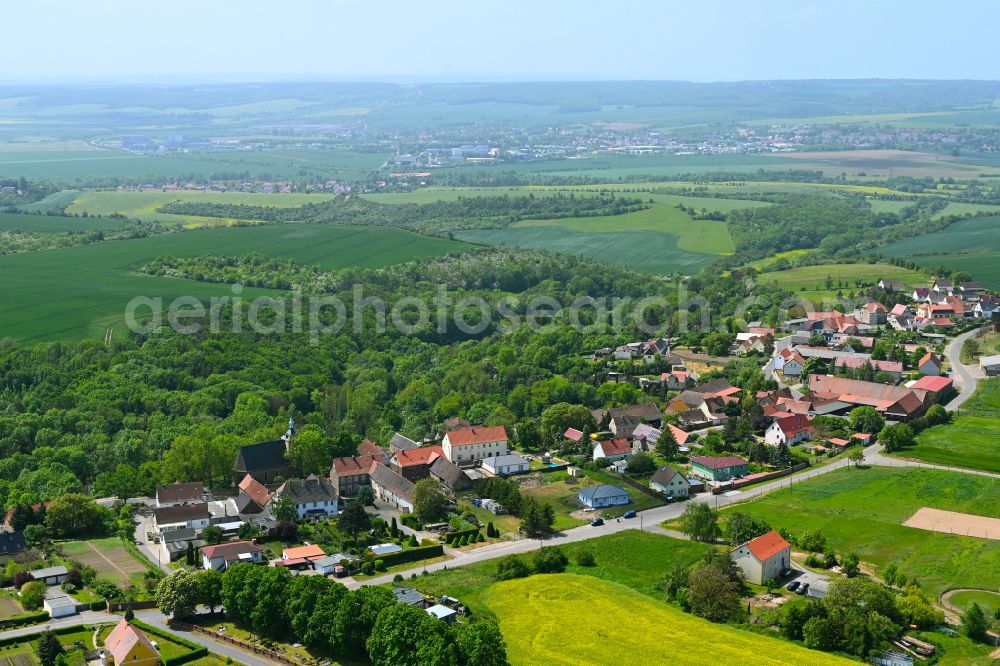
[(415, 464), (789, 430), (598, 497), (508, 464), (764, 557), (385, 549), (224, 555), (990, 365), (936, 387), (127, 646), (670, 482), (61, 606), (350, 473), (50, 575), (719, 469), (391, 487)]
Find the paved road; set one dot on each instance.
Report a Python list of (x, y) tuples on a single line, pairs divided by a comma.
[(964, 378)]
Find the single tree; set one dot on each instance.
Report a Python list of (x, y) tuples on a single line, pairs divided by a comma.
[(700, 522), (850, 564), (480, 643), (429, 501), (974, 622), (353, 519), (49, 648), (212, 535), (178, 594)]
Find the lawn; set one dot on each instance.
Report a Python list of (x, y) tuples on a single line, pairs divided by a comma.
[(958, 650), (77, 292), (19, 654), (971, 245), (989, 601), (813, 278), (109, 557), (563, 497), (863, 510), (573, 619), (968, 441)]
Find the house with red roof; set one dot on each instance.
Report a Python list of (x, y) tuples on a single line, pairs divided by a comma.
[(350, 473), (789, 430), (573, 435), (613, 449), (474, 443), (415, 464), (873, 313), (935, 386), (764, 557), (128, 646)]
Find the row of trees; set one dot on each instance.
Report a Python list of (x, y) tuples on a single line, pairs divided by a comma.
[(325, 616)]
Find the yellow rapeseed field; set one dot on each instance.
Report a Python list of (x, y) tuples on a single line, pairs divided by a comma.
[(571, 619)]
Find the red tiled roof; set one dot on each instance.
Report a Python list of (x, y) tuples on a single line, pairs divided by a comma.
[(794, 424), (253, 488), (880, 366), (370, 448), (680, 435), (837, 441), (767, 545), (477, 435), (354, 465), (573, 434), (719, 463), (425, 455), (122, 639), (311, 550), (616, 447), (230, 551), (930, 356), (932, 384)]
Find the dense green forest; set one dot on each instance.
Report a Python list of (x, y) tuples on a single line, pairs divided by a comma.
[(465, 213)]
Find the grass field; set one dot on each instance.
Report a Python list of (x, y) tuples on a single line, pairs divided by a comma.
[(143, 205), (971, 245), (572, 619), (46, 224), (969, 441), (77, 292), (109, 557), (564, 498), (863, 510), (55, 201), (813, 278), (989, 601)]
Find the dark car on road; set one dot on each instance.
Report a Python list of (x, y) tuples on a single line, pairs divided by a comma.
[(803, 588), (597, 522), (628, 514), (791, 587)]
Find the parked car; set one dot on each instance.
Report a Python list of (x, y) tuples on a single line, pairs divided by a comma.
[(791, 587), (597, 522), (628, 514), (803, 588)]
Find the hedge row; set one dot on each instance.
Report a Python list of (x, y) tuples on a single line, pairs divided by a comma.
[(412, 555), (24, 620), (451, 537), (27, 638), (411, 521)]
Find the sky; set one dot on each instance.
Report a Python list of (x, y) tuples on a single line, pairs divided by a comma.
[(48, 41)]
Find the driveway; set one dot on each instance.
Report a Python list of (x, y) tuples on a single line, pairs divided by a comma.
[(151, 550)]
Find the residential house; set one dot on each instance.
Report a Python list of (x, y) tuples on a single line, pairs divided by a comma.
[(645, 413), (410, 597), (612, 449), (194, 516), (391, 487), (11, 543), (789, 362), (59, 606), (50, 575), (623, 425), (174, 542), (415, 464), (894, 368), (970, 290), (369, 448), (890, 285), (985, 307), (126, 645), (350, 474), (471, 444), (678, 380), (313, 497), (504, 465), (763, 558), (930, 364), (253, 498), (789, 430), (401, 443), (302, 554), (920, 294), (937, 387), (222, 556), (719, 468), (670, 482), (943, 285), (872, 313), (753, 345), (180, 493), (449, 475), (598, 497)]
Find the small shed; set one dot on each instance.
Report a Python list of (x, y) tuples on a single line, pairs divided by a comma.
[(385, 549), (443, 613)]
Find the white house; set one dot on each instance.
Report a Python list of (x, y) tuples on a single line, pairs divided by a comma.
[(313, 497), (597, 497), (222, 556), (764, 557), (193, 516), (789, 362), (670, 482), (391, 487), (613, 449), (61, 606), (508, 464), (475, 443), (930, 364), (789, 430)]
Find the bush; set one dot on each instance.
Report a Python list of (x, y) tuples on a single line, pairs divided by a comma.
[(32, 595), (813, 540), (586, 559), (411, 521), (511, 567), (380, 565), (368, 568), (480, 538), (814, 562), (453, 537), (550, 559), (22, 578)]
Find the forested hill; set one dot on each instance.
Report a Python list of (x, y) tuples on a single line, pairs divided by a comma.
[(488, 212)]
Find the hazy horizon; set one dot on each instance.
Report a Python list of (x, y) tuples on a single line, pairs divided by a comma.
[(110, 41)]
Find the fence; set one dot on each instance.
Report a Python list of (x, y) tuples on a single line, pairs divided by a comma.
[(646, 490), (133, 605), (243, 645), (739, 483)]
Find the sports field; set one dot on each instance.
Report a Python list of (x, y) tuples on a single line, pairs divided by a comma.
[(573, 619), (864, 509), (108, 557), (810, 281), (144, 205), (77, 292), (971, 245)]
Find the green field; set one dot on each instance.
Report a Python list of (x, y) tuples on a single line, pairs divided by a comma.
[(990, 601), (863, 510), (77, 292), (56, 201), (813, 278), (968, 441), (52, 224), (572, 619), (144, 205), (971, 245)]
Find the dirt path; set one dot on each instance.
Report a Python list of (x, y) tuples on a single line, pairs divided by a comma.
[(105, 558)]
